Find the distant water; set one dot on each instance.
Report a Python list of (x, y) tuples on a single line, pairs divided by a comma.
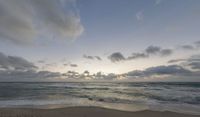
[(178, 97)]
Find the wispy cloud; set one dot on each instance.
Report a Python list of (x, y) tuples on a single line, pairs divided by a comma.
[(157, 2), (176, 60), (192, 62), (137, 56), (140, 15)]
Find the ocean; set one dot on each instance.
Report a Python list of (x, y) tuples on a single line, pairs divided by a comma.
[(177, 97)]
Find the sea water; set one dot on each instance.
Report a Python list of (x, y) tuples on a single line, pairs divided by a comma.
[(177, 97)]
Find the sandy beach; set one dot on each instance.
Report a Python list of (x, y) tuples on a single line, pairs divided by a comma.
[(85, 112)]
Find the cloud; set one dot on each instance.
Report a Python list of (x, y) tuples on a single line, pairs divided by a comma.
[(70, 64), (194, 65), (166, 52), (137, 56), (41, 61), (14, 68), (92, 57), (152, 50), (194, 58), (186, 47), (116, 57), (98, 58), (15, 63), (27, 75), (160, 70), (176, 60), (157, 2), (73, 65), (166, 70), (22, 21), (183, 60), (192, 62), (139, 15), (47, 74), (88, 57), (197, 43), (65, 64), (149, 51)]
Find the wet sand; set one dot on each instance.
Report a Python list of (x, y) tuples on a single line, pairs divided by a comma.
[(85, 112)]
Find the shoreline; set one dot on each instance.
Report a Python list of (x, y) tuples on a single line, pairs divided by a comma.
[(86, 112)]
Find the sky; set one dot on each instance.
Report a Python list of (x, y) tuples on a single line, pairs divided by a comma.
[(131, 40)]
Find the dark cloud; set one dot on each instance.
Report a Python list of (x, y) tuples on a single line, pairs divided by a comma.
[(30, 75), (166, 70), (47, 74), (116, 57), (15, 63), (152, 50), (197, 43), (193, 62), (13, 68), (92, 57), (186, 47), (149, 51), (88, 57), (22, 21), (194, 65), (194, 58), (166, 52), (191, 59), (73, 65), (137, 56), (160, 70), (98, 58)]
